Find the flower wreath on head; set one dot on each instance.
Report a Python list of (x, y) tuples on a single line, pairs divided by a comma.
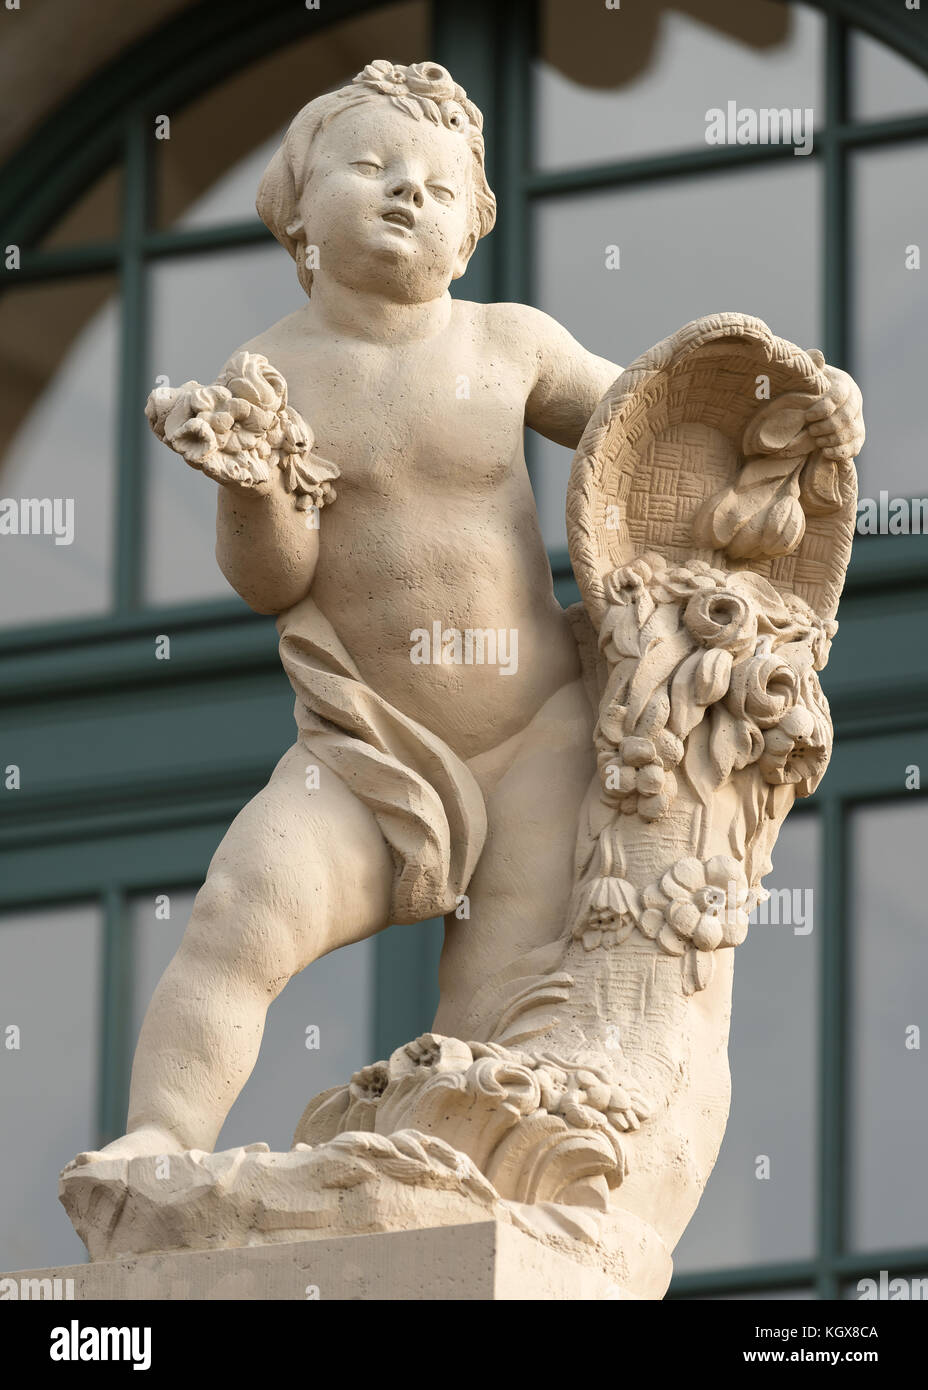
[(422, 88)]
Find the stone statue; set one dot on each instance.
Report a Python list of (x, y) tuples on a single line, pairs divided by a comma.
[(590, 797)]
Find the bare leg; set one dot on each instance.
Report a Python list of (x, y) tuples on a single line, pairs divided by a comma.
[(298, 874), (534, 785)]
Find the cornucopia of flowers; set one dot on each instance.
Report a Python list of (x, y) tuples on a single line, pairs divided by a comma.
[(709, 672)]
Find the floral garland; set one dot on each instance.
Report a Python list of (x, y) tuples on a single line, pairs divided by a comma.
[(694, 909), (709, 672), (241, 428), (421, 89)]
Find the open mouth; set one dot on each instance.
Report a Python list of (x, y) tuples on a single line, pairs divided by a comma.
[(399, 217)]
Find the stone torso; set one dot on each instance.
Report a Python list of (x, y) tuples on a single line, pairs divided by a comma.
[(435, 521)]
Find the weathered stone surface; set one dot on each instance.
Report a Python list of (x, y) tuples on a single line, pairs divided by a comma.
[(589, 797)]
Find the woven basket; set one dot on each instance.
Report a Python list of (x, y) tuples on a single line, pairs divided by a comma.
[(667, 436)]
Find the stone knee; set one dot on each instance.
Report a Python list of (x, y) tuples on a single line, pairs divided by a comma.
[(247, 932)]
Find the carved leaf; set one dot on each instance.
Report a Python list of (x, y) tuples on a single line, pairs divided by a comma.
[(697, 763), (819, 487), (685, 710), (712, 675), (699, 681), (654, 668), (730, 743), (698, 969), (620, 627)]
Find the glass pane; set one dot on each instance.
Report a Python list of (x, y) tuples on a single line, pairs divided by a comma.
[(889, 1119), (686, 248), (334, 994), (48, 1083), (885, 83), (745, 1217), (208, 170), (203, 308), (621, 83), (94, 217), (891, 296), (59, 357)]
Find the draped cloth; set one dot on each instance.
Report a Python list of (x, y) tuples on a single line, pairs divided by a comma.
[(424, 798)]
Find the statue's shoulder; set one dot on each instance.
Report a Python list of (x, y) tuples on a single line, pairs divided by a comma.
[(518, 330), (280, 340)]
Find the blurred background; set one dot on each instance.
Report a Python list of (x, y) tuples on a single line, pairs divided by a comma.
[(128, 258)]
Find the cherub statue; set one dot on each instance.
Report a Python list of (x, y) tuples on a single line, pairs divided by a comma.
[(416, 785)]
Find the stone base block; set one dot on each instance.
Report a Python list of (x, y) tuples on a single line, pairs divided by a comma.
[(484, 1260)]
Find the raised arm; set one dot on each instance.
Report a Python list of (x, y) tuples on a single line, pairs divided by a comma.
[(241, 432), (569, 380), (264, 547)]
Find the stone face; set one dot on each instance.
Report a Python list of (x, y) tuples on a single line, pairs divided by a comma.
[(590, 797)]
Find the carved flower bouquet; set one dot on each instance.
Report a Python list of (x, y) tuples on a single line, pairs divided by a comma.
[(240, 429)]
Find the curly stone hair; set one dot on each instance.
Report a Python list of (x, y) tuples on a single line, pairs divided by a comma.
[(422, 90)]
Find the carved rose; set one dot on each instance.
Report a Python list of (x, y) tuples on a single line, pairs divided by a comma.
[(762, 689), (696, 904), (793, 750), (387, 77), (427, 81), (722, 618), (430, 80)]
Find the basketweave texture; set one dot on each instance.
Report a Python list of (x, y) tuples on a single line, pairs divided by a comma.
[(667, 436)]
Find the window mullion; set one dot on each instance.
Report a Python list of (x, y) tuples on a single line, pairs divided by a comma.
[(128, 546), (836, 240), (514, 104), (115, 1039), (833, 1036)]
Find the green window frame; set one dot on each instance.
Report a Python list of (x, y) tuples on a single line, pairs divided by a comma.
[(108, 841)]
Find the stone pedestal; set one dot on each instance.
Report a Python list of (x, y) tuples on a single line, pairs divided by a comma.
[(484, 1260)]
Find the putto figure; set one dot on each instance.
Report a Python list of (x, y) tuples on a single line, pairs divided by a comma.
[(606, 811)]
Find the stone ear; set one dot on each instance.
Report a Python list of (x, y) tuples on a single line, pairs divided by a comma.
[(468, 247)]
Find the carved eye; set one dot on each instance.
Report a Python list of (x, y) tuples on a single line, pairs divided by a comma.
[(367, 166), (441, 193)]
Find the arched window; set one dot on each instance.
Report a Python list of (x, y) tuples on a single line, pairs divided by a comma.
[(132, 252)]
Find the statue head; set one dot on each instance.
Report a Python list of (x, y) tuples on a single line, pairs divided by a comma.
[(386, 178)]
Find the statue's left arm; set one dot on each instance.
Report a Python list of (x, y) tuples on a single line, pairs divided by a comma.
[(569, 381)]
